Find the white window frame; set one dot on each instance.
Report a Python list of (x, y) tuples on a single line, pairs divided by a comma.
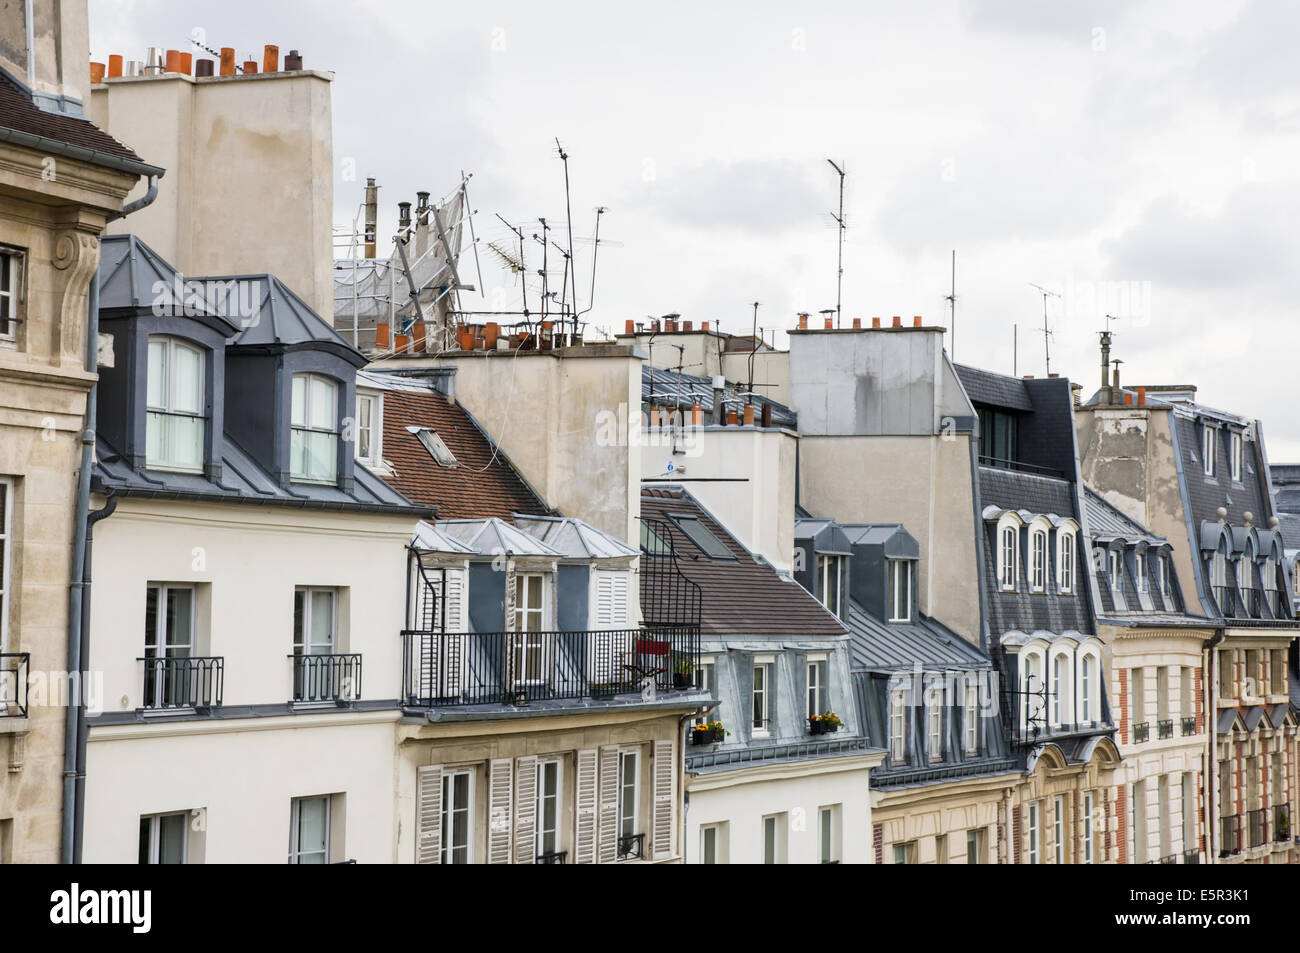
[(1065, 558), (155, 832), (1058, 829), (1162, 576), (975, 840), (761, 699), (1060, 665), (1034, 832), (816, 672), (528, 644), (828, 834), (6, 553), (1087, 827), (1086, 704), (167, 409), (296, 853), (970, 725), (718, 831), (370, 423), (557, 833), (302, 639), (1038, 560), (305, 427), (898, 727), (1113, 569), (627, 824), (451, 780), (1236, 454), (1008, 554), (900, 590), (1032, 710), (1209, 447), (828, 567), (12, 311), (166, 679), (776, 831), (1140, 562), (934, 725)]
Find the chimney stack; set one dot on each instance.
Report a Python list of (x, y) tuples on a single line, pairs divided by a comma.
[(1106, 396), (203, 68), (875, 322), (403, 214), (898, 322), (227, 61), (270, 59), (372, 215), (293, 61), (114, 65), (916, 321)]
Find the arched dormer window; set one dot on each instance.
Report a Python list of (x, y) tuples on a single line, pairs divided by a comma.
[(1008, 551), (314, 424), (1060, 690), (174, 425), (1038, 555), (1246, 579), (1033, 712), (1088, 701), (1066, 566)]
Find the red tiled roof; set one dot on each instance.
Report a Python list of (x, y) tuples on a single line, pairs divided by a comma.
[(740, 596), (480, 487), (18, 112)]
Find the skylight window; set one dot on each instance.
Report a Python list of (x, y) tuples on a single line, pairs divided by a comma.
[(441, 454), (700, 535)]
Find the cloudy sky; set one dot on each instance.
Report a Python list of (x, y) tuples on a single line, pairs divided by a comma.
[(1139, 159)]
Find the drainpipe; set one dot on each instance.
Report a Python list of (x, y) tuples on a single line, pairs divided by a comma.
[(31, 47), (1211, 702), (74, 728)]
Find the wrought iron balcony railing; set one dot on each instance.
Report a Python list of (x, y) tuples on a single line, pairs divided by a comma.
[(1191, 857), (14, 667), (481, 668), (1281, 822), (1230, 835), (1141, 732), (1165, 728), (1225, 597), (1169, 859), (553, 857), (1252, 602), (326, 678), (1258, 827), (631, 846), (194, 681), (1189, 725)]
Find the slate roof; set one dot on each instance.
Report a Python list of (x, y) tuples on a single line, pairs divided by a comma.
[(132, 275), (19, 113), (671, 388), (1107, 522), (574, 538), (1288, 525), (1205, 494), (277, 318), (482, 485), (491, 537), (740, 596), (884, 646), (997, 390)]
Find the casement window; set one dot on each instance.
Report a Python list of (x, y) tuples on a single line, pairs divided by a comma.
[(164, 838), (528, 641), (704, 681), (548, 806), (174, 421), (1065, 560), (1140, 562), (816, 685), (1235, 455), (1245, 575), (1038, 560), (1059, 693), (1008, 557), (315, 633), (976, 846), (6, 521), (1162, 578), (828, 582), (168, 636), (934, 724), (905, 853), (11, 285), (629, 792), (828, 833), (1032, 688), (1034, 833), (309, 830), (1058, 829), (970, 720), (457, 814), (1089, 709), (369, 428), (774, 839), (314, 436), (1209, 447), (897, 728), (900, 590), (761, 698), (1113, 558), (713, 843), (1087, 828)]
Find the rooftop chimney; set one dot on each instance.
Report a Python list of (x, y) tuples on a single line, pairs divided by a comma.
[(270, 59), (898, 322), (227, 61), (916, 321), (372, 215), (875, 322), (422, 201), (403, 214), (1105, 368), (115, 65), (203, 68), (293, 61)]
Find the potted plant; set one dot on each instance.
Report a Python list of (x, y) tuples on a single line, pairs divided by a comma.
[(816, 725), (701, 735), (719, 733), (830, 722), (603, 691), (683, 672)]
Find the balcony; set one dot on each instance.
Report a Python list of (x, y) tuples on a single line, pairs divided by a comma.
[(553, 857), (14, 667), (1189, 725), (1169, 859), (1258, 827), (631, 846), (184, 683), (1278, 602), (1165, 728), (1281, 823), (1141, 732), (441, 669), (1225, 597), (1230, 835), (1191, 857), (325, 679)]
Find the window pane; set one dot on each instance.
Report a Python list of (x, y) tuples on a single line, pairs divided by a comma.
[(182, 443), (187, 380), (312, 822), (157, 398), (321, 404), (322, 622), (299, 403), (180, 617), (173, 829)]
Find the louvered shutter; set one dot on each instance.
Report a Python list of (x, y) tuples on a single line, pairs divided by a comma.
[(499, 797), (607, 846), (585, 822), (428, 814), (662, 827), (526, 810), (611, 600)]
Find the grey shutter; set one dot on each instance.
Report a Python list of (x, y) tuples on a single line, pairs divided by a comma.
[(428, 814), (526, 810), (585, 820), (499, 791), (607, 842), (662, 825)]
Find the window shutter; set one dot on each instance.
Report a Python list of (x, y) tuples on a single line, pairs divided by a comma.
[(526, 810), (611, 600), (428, 814), (662, 830), (585, 826), (499, 789), (510, 600), (454, 604), (607, 843)]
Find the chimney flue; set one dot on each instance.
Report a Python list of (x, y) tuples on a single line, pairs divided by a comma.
[(372, 215), (270, 59), (1105, 367), (293, 61)]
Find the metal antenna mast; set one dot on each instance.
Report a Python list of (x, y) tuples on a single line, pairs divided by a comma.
[(1047, 348), (568, 213), (839, 256), (523, 280), (753, 348), (952, 308)]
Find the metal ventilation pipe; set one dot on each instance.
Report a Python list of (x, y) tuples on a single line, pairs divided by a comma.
[(372, 215)]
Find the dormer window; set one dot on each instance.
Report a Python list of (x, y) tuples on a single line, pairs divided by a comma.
[(828, 582), (174, 427), (1114, 570), (368, 428), (1236, 456), (314, 443), (1008, 557), (1141, 562), (1065, 560), (1162, 577), (1038, 560), (1209, 446), (900, 590)]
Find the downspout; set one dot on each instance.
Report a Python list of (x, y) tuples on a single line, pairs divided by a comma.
[(1210, 700), (28, 15), (74, 729)]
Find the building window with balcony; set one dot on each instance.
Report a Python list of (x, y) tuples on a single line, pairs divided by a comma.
[(369, 429), (1065, 558), (761, 698), (897, 728), (315, 644), (1008, 556), (174, 422), (170, 680), (529, 641), (1235, 455), (1038, 560), (934, 724), (970, 719), (309, 830), (816, 687), (11, 284), (629, 793), (548, 807), (314, 433), (900, 590), (457, 810), (1209, 447), (164, 838), (829, 569)]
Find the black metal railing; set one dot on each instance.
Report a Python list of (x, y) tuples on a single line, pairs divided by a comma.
[(194, 681), (1225, 597), (553, 857), (1258, 826), (482, 668), (1165, 728), (14, 669), (631, 846), (1278, 602), (1252, 601), (1189, 725), (1169, 859), (1141, 732), (1230, 835), (1005, 464), (1281, 822), (326, 678), (1191, 857)]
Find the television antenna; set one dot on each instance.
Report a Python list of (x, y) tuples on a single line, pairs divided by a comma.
[(1047, 334), (951, 298), (839, 255)]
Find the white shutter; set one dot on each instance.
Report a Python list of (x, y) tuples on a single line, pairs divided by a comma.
[(428, 814), (453, 605), (608, 840), (662, 823), (511, 579), (585, 822), (499, 791), (526, 810), (611, 600)]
